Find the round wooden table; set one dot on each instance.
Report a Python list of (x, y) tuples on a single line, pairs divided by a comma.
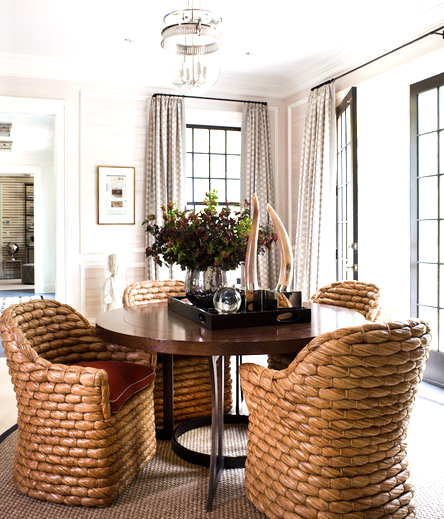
[(154, 327)]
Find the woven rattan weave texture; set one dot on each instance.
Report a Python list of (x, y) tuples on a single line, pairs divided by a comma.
[(364, 298), (327, 435), (192, 384), (144, 292), (70, 448)]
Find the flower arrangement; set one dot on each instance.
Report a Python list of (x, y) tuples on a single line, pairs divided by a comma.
[(204, 239)]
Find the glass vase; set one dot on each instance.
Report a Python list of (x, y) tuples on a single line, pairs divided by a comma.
[(201, 285)]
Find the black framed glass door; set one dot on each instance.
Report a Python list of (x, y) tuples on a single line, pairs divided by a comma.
[(346, 189), (427, 215)]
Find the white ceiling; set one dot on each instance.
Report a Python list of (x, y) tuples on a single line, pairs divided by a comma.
[(269, 48)]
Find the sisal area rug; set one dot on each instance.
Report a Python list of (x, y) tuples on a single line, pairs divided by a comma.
[(170, 488)]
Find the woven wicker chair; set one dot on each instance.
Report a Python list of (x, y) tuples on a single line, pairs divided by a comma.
[(145, 292), (328, 435), (364, 298), (192, 383), (72, 448)]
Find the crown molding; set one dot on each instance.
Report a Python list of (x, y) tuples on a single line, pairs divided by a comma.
[(71, 70), (309, 74), (74, 70)]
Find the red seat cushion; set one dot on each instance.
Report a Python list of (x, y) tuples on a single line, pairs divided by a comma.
[(124, 379)]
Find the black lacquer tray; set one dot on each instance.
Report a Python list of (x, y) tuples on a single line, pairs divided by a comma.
[(211, 319)]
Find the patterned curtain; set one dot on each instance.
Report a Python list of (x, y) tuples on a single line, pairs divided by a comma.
[(259, 178), (315, 232), (165, 165)]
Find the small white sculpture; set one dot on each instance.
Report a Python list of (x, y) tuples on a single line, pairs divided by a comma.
[(115, 284)]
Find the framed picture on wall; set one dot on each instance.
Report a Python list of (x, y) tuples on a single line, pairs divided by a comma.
[(116, 199)]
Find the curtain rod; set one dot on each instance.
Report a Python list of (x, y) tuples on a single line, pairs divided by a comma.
[(382, 56), (212, 98)]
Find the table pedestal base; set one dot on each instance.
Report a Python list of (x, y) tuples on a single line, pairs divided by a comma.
[(200, 458), (216, 461)]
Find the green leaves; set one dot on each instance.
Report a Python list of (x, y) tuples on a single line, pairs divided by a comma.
[(212, 237)]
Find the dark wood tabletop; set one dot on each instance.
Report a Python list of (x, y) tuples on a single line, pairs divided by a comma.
[(155, 328)]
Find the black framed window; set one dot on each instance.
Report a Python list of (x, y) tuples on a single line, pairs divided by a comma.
[(213, 162), (427, 214), (346, 189)]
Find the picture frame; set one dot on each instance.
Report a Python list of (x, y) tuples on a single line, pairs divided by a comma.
[(116, 195)]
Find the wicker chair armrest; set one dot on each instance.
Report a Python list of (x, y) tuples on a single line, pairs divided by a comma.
[(87, 387), (259, 376), (111, 351)]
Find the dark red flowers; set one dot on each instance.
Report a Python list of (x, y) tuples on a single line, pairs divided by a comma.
[(215, 236)]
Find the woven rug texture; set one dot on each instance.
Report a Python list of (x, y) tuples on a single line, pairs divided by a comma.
[(170, 488)]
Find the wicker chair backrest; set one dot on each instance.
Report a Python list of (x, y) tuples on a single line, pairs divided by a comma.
[(50, 330), (365, 298), (374, 357), (54, 332), (144, 292)]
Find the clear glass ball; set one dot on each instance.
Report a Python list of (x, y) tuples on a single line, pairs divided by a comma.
[(227, 300)]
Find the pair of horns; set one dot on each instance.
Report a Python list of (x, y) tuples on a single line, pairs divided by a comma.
[(286, 253)]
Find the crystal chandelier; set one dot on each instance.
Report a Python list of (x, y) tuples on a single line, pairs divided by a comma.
[(192, 37)]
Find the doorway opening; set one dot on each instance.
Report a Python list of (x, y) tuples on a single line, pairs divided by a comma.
[(17, 229), (49, 168)]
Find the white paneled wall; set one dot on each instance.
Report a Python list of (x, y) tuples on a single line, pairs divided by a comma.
[(113, 133)]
